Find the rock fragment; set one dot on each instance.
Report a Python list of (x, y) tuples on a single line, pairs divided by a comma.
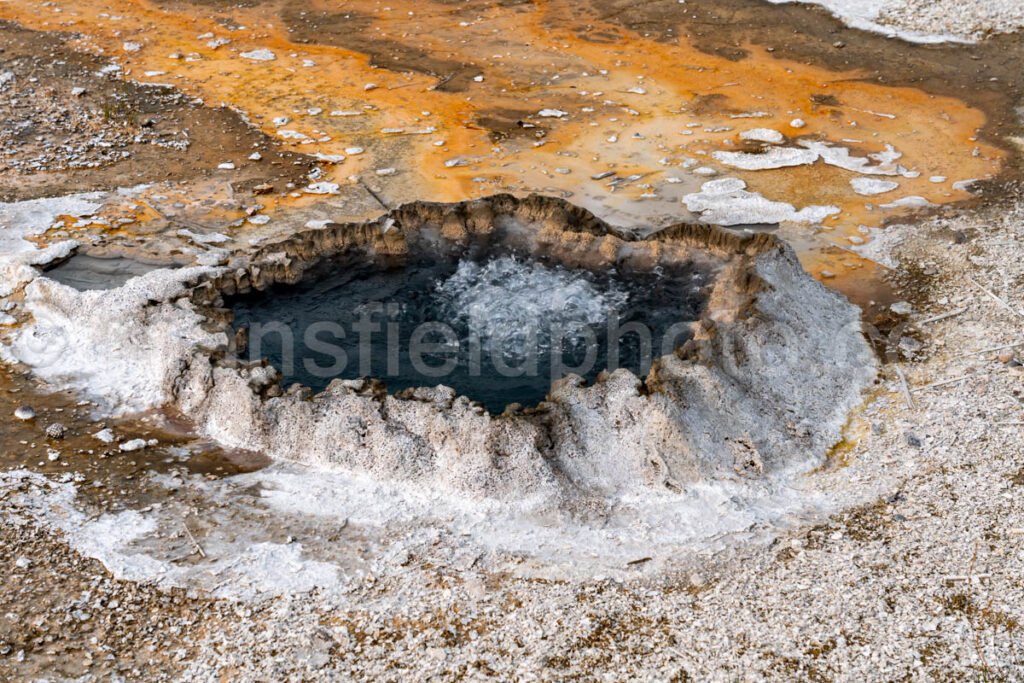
[(872, 186), (104, 435), (133, 445), (259, 55), (763, 135)]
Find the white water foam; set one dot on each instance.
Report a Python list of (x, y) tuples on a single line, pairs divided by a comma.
[(510, 298)]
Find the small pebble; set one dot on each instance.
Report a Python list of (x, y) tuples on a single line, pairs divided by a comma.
[(901, 308), (25, 413), (912, 439)]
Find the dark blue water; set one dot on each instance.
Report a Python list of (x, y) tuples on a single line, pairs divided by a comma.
[(496, 330)]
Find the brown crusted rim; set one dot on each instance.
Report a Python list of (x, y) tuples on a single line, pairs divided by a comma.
[(287, 260)]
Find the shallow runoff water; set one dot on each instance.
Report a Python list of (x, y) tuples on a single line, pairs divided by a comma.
[(498, 329)]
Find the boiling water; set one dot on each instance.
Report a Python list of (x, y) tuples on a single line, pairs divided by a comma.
[(497, 330)]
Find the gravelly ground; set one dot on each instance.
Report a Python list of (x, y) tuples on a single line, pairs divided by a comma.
[(64, 616), (921, 578), (925, 579), (69, 122), (962, 19), (928, 20)]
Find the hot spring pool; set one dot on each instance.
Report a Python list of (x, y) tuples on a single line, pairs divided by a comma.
[(497, 329)]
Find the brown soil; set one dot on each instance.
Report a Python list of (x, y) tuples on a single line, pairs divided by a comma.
[(116, 133)]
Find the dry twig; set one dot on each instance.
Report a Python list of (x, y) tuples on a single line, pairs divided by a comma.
[(906, 388), (942, 316), (997, 299), (199, 548)]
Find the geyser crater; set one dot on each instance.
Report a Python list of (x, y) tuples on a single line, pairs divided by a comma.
[(754, 392)]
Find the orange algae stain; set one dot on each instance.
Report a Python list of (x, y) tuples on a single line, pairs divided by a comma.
[(631, 105)]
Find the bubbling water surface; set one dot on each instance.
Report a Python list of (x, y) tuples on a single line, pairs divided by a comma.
[(497, 329)]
